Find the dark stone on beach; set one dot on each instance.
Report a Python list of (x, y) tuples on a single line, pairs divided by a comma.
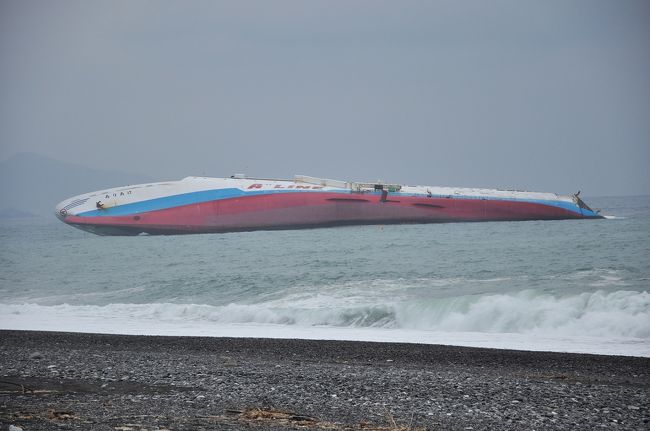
[(107, 382)]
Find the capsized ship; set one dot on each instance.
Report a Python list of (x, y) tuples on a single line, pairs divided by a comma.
[(239, 203)]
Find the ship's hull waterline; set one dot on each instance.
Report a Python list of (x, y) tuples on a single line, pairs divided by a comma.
[(200, 205)]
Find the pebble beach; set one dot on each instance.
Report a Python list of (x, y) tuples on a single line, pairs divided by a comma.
[(51, 380)]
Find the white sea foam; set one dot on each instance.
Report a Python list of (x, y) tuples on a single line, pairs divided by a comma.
[(615, 314), (595, 322)]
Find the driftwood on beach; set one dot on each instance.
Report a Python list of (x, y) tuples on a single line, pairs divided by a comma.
[(109, 382)]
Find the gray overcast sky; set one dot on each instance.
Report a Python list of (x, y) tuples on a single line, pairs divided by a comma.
[(545, 95)]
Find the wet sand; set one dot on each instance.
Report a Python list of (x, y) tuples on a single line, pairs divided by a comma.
[(64, 381)]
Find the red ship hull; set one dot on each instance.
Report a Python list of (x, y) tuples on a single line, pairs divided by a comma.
[(308, 210)]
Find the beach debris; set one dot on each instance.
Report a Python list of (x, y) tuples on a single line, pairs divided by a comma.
[(24, 389), (268, 414), (131, 427), (61, 415), (227, 361), (278, 417)]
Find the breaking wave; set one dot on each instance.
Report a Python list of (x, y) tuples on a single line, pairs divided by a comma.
[(597, 314)]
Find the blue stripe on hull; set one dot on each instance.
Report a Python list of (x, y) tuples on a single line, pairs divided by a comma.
[(180, 200)]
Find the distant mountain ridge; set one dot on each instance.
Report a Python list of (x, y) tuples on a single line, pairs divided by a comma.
[(32, 183)]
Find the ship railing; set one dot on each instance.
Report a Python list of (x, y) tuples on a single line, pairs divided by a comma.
[(325, 182), (354, 186)]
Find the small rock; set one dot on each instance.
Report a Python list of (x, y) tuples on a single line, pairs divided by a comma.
[(633, 407), (15, 428), (36, 355)]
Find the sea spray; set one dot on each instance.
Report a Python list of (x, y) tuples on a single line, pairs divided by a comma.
[(597, 314)]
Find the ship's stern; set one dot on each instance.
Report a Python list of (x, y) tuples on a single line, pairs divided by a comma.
[(585, 209)]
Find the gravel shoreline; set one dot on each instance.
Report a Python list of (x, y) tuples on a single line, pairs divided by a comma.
[(52, 380)]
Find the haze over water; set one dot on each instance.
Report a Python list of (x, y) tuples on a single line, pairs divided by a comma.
[(579, 286)]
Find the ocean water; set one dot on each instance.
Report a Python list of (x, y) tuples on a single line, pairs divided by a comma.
[(576, 285)]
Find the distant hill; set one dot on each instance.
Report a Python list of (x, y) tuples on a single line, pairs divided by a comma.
[(31, 183)]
